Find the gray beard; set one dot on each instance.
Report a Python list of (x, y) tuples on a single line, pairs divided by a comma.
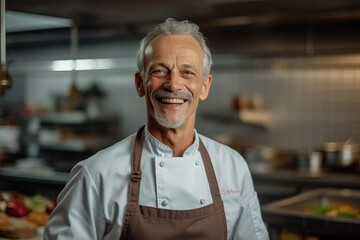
[(163, 122), (169, 124)]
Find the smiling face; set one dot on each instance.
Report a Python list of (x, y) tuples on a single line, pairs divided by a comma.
[(174, 82)]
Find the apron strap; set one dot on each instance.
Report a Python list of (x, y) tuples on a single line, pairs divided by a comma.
[(134, 185), (210, 172)]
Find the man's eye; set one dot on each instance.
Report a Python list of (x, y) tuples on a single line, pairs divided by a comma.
[(188, 74), (158, 72)]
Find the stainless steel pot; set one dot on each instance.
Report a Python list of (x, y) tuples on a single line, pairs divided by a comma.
[(342, 156)]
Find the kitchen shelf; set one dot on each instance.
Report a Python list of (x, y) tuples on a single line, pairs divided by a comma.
[(32, 181), (75, 145), (259, 118), (75, 131), (64, 138), (74, 117), (34, 176), (305, 180)]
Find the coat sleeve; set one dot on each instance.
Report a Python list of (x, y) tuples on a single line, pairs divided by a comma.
[(78, 214), (250, 225)]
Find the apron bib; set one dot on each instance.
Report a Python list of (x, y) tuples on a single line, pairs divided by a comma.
[(148, 223)]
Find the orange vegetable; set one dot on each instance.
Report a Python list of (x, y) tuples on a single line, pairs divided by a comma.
[(39, 218)]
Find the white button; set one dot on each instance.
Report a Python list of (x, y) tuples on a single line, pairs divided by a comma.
[(202, 201), (162, 164), (197, 162), (164, 203)]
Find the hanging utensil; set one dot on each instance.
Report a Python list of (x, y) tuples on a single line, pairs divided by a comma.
[(74, 96), (5, 79)]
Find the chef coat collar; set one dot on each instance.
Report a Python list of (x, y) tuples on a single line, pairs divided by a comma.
[(162, 150)]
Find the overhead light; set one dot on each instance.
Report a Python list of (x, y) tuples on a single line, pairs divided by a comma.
[(82, 64)]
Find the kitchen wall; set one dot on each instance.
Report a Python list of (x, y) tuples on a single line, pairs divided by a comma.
[(310, 100)]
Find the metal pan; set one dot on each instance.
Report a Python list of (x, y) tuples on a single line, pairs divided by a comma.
[(291, 212)]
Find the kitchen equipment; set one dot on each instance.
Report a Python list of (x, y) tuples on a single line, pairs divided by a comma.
[(315, 162), (310, 160), (263, 158), (342, 156), (5, 79), (247, 101), (294, 212), (260, 157)]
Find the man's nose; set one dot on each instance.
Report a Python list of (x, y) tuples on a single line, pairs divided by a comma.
[(174, 81)]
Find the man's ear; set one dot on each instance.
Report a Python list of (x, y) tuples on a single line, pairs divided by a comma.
[(139, 84), (206, 88)]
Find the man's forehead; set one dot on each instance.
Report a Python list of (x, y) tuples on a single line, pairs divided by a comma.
[(167, 41)]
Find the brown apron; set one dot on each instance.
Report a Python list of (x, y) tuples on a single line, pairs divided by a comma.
[(148, 223)]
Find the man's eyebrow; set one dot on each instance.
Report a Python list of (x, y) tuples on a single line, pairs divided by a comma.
[(189, 66), (158, 64)]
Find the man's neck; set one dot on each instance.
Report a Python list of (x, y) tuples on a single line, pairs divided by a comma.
[(178, 139)]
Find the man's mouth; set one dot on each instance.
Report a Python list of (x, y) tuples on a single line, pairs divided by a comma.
[(172, 100), (166, 97)]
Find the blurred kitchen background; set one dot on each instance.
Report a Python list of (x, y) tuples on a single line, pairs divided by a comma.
[(285, 91)]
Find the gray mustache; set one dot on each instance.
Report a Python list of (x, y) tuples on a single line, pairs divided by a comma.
[(161, 93)]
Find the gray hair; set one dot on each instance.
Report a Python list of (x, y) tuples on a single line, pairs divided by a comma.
[(172, 27)]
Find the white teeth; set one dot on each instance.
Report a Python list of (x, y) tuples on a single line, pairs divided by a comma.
[(173, 100)]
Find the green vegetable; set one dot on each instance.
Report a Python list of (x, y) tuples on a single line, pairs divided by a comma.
[(323, 209), (350, 214), (36, 203), (341, 210)]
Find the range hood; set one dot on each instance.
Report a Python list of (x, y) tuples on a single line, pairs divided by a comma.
[(16, 21), (19, 22)]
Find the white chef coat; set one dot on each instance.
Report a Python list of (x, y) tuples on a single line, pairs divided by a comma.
[(93, 202)]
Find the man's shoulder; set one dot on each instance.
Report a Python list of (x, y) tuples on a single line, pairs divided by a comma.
[(116, 155)]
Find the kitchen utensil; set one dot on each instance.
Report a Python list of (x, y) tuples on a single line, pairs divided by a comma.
[(342, 156)]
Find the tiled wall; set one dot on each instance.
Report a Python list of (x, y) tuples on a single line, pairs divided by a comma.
[(310, 100)]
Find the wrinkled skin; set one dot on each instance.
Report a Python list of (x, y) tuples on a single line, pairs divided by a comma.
[(173, 88)]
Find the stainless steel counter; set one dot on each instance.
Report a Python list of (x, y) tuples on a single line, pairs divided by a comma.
[(32, 181), (302, 214), (293, 178), (34, 175)]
